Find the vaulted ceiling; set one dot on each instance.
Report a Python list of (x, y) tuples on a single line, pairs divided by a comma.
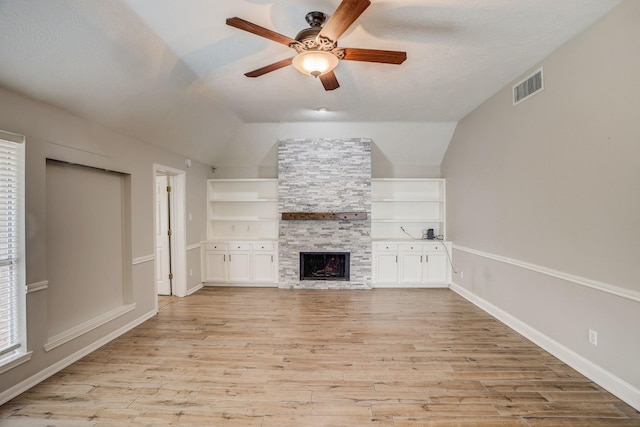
[(171, 73)]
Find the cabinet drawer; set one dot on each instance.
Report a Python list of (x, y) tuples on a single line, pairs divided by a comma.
[(409, 247), (434, 247), (384, 247), (239, 246), (215, 247), (262, 246)]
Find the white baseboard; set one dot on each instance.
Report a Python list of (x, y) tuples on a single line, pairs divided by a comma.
[(195, 289), (25, 385), (240, 285), (617, 386), (408, 286)]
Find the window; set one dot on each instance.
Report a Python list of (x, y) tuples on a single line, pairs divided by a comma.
[(12, 265)]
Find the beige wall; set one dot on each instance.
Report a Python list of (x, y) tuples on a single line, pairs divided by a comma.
[(52, 133), (399, 150), (554, 184)]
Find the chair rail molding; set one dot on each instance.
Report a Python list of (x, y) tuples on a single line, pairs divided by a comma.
[(593, 284), (143, 259), (37, 286)]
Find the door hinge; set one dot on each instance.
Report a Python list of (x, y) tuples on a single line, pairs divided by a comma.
[(168, 189), (170, 276), (169, 232)]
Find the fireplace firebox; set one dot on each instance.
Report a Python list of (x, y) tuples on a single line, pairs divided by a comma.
[(324, 266)]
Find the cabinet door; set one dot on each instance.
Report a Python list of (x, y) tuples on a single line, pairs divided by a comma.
[(386, 267), (239, 266), (411, 267), (215, 266), (436, 267), (263, 267)]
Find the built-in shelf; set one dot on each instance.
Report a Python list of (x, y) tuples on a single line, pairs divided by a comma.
[(248, 208), (414, 205), (242, 209)]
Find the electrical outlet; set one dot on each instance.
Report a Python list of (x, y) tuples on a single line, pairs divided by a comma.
[(593, 337), (191, 272), (462, 274)]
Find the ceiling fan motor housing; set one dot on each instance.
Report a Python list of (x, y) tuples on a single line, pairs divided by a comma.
[(308, 39), (308, 35)]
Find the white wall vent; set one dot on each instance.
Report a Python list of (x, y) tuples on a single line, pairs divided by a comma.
[(528, 87)]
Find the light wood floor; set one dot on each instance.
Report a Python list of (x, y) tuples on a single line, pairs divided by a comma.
[(269, 357)]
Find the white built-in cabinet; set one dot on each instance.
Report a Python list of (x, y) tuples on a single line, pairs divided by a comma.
[(240, 263), (402, 210), (411, 264), (385, 263), (242, 232), (214, 262)]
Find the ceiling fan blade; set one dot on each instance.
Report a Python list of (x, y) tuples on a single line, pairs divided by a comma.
[(346, 13), (329, 81), (269, 68), (374, 55), (259, 31)]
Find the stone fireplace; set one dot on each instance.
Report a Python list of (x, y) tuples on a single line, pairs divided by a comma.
[(330, 180)]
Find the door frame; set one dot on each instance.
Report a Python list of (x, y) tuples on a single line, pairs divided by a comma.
[(177, 181), (163, 215)]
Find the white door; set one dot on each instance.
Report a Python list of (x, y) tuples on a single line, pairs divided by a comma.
[(163, 259), (386, 267), (411, 267), (263, 267), (215, 266), (239, 266)]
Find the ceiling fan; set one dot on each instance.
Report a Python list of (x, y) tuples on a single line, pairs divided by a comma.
[(317, 46)]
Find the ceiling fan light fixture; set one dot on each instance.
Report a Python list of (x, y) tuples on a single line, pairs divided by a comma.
[(315, 62)]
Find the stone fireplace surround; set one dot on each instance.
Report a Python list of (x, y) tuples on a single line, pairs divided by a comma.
[(324, 175)]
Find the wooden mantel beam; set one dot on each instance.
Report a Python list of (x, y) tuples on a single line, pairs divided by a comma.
[(323, 216)]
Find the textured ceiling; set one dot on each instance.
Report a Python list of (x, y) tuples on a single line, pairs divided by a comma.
[(166, 71)]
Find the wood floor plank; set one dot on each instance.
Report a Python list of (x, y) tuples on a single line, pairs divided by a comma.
[(267, 357)]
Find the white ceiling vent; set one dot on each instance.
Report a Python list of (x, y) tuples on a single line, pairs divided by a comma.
[(528, 87)]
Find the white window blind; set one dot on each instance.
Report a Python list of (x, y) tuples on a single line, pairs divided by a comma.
[(12, 284)]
